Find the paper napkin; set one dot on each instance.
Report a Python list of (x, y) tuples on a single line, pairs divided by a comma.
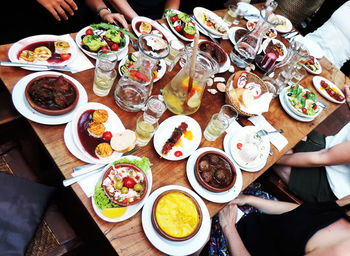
[(88, 184)]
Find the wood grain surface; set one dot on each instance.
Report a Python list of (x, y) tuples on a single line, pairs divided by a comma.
[(128, 237)]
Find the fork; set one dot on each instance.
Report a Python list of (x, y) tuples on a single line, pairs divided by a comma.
[(264, 132)]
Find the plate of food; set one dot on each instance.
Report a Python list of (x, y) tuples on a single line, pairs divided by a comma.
[(194, 214), (210, 21), (313, 66), (101, 36), (274, 45), (283, 24), (126, 178), (216, 197), (235, 33), (181, 25), (328, 89), (43, 49), (25, 108), (177, 137), (131, 58), (272, 33), (302, 101), (99, 133)]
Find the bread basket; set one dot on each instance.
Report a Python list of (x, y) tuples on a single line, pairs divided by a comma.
[(232, 83)]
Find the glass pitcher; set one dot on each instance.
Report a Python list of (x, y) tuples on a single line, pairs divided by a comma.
[(135, 86), (182, 99)]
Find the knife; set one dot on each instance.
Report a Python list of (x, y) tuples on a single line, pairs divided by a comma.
[(207, 32), (38, 66)]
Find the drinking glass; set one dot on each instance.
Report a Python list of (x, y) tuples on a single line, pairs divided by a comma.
[(297, 75), (144, 130), (155, 107), (176, 47), (231, 14), (239, 15)]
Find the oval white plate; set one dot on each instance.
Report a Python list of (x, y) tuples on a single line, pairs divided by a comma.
[(18, 46), (222, 197), (286, 27), (166, 33), (232, 33), (318, 71), (267, 41), (249, 9), (161, 71), (165, 130), (173, 247), (21, 104), (121, 52), (173, 29), (130, 210), (316, 81), (113, 124), (199, 10)]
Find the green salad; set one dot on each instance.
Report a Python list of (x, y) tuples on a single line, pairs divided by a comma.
[(303, 100)]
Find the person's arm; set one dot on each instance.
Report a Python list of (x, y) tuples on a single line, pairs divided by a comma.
[(172, 4), (347, 94), (59, 8), (265, 205), (338, 154), (124, 7)]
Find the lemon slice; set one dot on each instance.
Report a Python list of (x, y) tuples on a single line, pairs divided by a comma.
[(194, 101), (114, 212)]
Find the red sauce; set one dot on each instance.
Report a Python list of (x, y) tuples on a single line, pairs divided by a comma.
[(138, 24), (89, 142), (55, 58)]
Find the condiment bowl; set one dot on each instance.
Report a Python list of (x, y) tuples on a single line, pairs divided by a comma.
[(207, 171)]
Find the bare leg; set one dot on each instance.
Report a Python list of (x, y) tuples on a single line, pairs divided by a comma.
[(283, 171)]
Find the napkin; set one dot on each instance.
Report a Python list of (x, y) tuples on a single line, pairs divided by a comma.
[(81, 62), (260, 105), (88, 184), (277, 139)]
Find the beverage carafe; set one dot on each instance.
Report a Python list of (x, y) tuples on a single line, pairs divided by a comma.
[(135, 86)]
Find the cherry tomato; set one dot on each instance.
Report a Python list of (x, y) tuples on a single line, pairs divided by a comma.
[(178, 28), (173, 18), (129, 182), (314, 106), (239, 145), (107, 136), (209, 24), (331, 92), (115, 47), (304, 97), (324, 84), (105, 49), (65, 56), (304, 110), (178, 153), (89, 32), (120, 33), (339, 97)]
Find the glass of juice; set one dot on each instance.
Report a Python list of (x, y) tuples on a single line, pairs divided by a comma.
[(144, 130)]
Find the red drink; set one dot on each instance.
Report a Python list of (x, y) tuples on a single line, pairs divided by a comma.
[(269, 60)]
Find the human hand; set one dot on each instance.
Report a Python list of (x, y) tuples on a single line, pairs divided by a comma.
[(347, 94), (59, 8), (228, 216), (111, 17), (240, 200)]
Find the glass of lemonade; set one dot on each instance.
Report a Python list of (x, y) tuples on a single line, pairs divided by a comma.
[(231, 14), (176, 48), (144, 130)]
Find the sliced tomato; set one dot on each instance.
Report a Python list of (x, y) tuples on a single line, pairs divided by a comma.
[(89, 32), (105, 49), (178, 153), (173, 18), (107, 135), (120, 33), (115, 47), (304, 110), (188, 35), (138, 76), (178, 28), (129, 182), (239, 145), (65, 56)]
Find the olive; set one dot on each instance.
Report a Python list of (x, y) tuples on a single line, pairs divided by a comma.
[(289, 94), (85, 47), (137, 187), (125, 190), (82, 37), (119, 184)]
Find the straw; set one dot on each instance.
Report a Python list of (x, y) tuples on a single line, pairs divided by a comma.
[(193, 63)]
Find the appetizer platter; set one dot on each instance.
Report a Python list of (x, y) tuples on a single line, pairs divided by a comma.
[(328, 89), (181, 25), (274, 44), (168, 246), (211, 22), (24, 107), (96, 37), (43, 49), (131, 58), (177, 137), (108, 209), (313, 66)]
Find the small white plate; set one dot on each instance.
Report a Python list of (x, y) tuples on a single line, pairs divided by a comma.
[(135, 24), (165, 130), (173, 247), (284, 104), (316, 81), (318, 71), (113, 124), (21, 104), (161, 71), (199, 11), (251, 25), (275, 41), (222, 197), (132, 209), (173, 29), (17, 47), (121, 52), (286, 27), (232, 34), (249, 11)]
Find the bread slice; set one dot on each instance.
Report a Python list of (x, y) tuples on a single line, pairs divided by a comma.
[(245, 97), (123, 142)]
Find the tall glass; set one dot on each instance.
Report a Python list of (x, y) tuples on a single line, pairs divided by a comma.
[(144, 130)]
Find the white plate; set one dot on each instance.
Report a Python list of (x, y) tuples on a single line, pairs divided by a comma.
[(20, 45), (165, 130), (132, 209), (200, 10), (316, 81), (173, 29), (284, 104), (113, 124), (287, 27), (267, 41), (166, 33), (205, 32), (222, 197), (173, 247), (121, 52), (249, 9), (318, 71), (161, 71), (21, 104), (251, 25), (232, 33)]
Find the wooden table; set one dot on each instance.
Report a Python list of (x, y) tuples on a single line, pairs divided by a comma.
[(128, 237)]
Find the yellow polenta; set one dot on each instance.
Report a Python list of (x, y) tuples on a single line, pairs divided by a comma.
[(177, 214)]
